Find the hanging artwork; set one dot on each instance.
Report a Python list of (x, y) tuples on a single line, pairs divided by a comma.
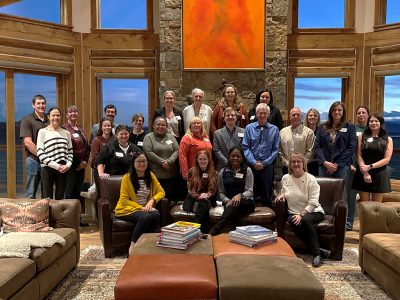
[(223, 34)]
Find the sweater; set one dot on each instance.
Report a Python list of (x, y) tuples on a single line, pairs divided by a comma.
[(127, 203)]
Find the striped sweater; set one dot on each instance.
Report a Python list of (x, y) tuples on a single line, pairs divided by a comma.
[(54, 147)]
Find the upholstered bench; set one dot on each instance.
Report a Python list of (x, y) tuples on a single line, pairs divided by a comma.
[(147, 244), (222, 246), (263, 216), (172, 276), (259, 277)]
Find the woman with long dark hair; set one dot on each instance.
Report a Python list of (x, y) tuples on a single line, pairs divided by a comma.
[(235, 189), (264, 95), (375, 149), (202, 189), (140, 191)]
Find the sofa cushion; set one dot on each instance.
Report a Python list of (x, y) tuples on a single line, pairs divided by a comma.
[(385, 246), (45, 256), (25, 215), (15, 273)]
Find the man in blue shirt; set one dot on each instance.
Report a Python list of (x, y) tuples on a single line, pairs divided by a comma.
[(261, 147)]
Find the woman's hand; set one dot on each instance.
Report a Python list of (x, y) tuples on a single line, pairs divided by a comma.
[(367, 178), (63, 169), (280, 198), (149, 206), (166, 165), (235, 201), (296, 219), (203, 196), (365, 168), (81, 166)]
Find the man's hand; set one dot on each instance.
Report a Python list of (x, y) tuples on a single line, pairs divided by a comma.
[(258, 166)]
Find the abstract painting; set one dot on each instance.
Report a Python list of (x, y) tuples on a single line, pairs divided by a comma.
[(223, 34)]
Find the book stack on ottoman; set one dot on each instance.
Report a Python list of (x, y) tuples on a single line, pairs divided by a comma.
[(252, 235), (179, 235)]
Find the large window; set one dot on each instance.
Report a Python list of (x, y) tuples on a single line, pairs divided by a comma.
[(129, 96), (317, 93), (392, 119), (43, 10), (392, 11), (321, 14), (3, 135), (123, 14)]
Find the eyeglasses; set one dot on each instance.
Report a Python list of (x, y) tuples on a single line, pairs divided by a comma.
[(141, 161)]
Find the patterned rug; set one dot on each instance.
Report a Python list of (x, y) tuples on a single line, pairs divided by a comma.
[(95, 277)]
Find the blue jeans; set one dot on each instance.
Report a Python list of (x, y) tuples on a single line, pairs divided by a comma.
[(32, 168)]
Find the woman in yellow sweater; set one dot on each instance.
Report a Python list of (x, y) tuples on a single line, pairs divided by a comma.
[(140, 191)]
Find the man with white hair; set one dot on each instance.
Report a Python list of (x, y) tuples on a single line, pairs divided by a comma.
[(261, 146), (197, 109)]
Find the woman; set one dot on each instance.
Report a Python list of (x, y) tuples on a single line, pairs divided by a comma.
[(202, 189), (265, 96), (375, 149), (193, 141), (161, 150), (362, 114), (140, 191), (235, 189), (54, 150), (312, 119), (137, 134), (300, 190), (197, 109), (173, 116), (335, 145), (115, 157), (229, 98)]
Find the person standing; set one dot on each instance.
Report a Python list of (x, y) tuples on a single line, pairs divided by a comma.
[(54, 150), (137, 134), (295, 138), (261, 146), (264, 95), (110, 111), (30, 126), (312, 121)]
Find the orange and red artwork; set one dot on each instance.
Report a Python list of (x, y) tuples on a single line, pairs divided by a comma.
[(223, 34)]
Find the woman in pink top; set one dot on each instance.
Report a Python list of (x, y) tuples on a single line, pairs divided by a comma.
[(193, 141)]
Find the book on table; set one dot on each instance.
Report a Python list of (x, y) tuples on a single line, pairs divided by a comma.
[(254, 244), (253, 230), (181, 228), (179, 235), (252, 236)]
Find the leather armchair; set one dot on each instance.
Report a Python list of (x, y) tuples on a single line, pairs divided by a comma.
[(331, 231), (116, 234)]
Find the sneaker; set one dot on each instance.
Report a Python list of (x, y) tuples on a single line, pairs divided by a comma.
[(324, 253), (317, 261)]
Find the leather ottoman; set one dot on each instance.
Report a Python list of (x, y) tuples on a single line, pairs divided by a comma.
[(223, 246), (259, 277), (172, 276), (146, 244)]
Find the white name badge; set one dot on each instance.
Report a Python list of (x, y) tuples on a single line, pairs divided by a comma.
[(75, 135), (205, 175), (139, 143), (370, 140), (239, 175), (169, 142), (243, 117), (240, 134), (119, 154), (358, 133), (343, 130), (252, 118), (178, 118), (206, 140)]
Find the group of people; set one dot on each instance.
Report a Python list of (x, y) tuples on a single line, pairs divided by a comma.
[(225, 154)]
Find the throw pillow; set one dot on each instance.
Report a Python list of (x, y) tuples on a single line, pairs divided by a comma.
[(25, 215)]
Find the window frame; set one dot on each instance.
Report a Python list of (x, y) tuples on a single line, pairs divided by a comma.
[(349, 20), (380, 17)]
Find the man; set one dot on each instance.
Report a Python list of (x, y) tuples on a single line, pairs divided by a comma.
[(295, 138), (30, 126), (226, 138), (261, 146), (110, 111)]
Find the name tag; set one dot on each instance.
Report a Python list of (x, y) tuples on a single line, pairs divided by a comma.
[(139, 143), (243, 117), (75, 135), (178, 118), (370, 140), (343, 130), (119, 154), (239, 175), (205, 175), (358, 133), (206, 140), (240, 134), (169, 142), (252, 118)]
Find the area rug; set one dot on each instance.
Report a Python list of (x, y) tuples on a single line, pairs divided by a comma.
[(95, 277)]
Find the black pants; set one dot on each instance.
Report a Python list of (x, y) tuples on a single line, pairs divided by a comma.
[(306, 230), (201, 211), (51, 177), (74, 184), (145, 222), (263, 184), (168, 186), (233, 214)]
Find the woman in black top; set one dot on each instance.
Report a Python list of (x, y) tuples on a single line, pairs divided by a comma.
[(137, 134), (115, 157), (235, 189), (265, 96)]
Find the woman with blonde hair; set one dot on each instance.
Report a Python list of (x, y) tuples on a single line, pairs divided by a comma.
[(195, 139), (312, 119)]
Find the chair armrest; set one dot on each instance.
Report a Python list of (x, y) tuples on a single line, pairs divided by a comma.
[(105, 223), (280, 214), (340, 216)]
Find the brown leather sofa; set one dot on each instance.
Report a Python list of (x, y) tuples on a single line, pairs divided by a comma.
[(116, 234), (34, 278), (379, 244), (331, 231)]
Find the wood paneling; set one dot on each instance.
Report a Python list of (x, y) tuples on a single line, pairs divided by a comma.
[(11, 157)]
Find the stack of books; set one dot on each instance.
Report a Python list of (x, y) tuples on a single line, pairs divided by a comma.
[(253, 235), (179, 235)]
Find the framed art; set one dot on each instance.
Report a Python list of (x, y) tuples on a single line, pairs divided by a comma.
[(223, 34)]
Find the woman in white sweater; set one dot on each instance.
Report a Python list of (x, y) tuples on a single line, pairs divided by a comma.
[(301, 192), (54, 150)]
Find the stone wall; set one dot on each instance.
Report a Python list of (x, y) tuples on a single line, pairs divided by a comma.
[(173, 77)]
